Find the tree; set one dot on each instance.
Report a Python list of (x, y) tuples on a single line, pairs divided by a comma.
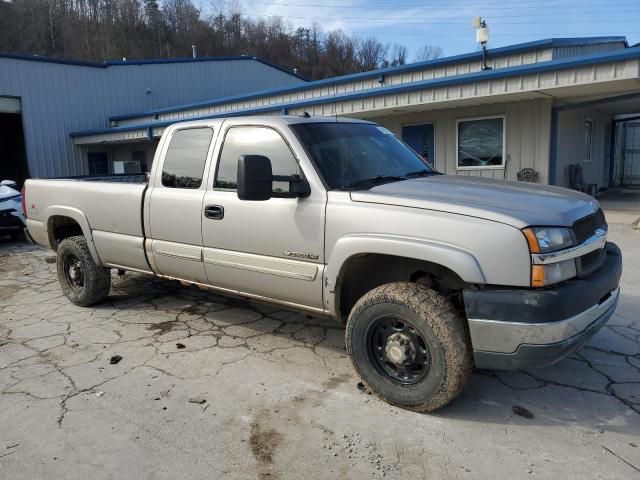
[(340, 53), (99, 30), (371, 54), (398, 55), (428, 52)]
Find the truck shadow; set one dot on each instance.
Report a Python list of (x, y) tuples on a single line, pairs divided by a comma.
[(221, 315), (597, 387)]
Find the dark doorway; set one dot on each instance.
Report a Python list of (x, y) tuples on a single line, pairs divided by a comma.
[(631, 155), (422, 139), (13, 156), (98, 163)]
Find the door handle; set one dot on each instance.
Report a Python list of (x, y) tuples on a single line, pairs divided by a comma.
[(214, 212)]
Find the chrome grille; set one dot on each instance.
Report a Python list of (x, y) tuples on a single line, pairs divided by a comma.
[(586, 227)]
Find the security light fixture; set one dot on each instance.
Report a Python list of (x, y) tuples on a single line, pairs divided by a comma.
[(482, 37)]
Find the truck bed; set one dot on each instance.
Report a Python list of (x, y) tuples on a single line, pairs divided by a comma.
[(109, 212)]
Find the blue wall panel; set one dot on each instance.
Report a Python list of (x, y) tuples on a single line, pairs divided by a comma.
[(58, 98)]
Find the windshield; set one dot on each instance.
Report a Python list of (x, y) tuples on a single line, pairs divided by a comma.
[(359, 155)]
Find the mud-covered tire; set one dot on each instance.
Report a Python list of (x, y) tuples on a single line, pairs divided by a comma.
[(96, 280), (431, 317)]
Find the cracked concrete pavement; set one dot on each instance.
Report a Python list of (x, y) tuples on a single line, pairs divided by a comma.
[(281, 396)]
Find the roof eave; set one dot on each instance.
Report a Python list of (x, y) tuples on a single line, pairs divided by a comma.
[(511, 49), (572, 62)]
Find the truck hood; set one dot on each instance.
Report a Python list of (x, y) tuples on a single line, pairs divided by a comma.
[(514, 203)]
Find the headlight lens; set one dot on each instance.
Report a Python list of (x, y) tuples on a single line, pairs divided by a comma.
[(548, 239)]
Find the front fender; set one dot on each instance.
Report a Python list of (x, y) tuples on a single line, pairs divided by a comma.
[(460, 261), (78, 216)]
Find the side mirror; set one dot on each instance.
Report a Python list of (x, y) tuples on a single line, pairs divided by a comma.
[(255, 178)]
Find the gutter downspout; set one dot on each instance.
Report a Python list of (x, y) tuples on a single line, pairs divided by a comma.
[(553, 154), (612, 153)]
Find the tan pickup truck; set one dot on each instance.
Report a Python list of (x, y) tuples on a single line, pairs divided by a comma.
[(432, 274)]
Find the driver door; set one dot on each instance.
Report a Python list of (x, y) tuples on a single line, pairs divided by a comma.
[(274, 248)]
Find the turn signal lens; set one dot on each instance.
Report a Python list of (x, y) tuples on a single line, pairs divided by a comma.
[(531, 240), (537, 276), (543, 275)]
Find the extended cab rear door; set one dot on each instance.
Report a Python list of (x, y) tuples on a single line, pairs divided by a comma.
[(175, 202), (274, 248)]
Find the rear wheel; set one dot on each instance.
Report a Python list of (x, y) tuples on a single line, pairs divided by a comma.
[(409, 345), (83, 282)]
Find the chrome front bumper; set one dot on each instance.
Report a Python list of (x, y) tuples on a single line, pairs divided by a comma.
[(521, 328), (501, 345)]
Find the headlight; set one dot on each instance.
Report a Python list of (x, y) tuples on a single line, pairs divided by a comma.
[(547, 239)]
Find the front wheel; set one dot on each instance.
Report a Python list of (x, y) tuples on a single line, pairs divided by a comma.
[(83, 282), (409, 345)]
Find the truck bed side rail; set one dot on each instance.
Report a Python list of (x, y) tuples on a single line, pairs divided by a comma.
[(118, 177)]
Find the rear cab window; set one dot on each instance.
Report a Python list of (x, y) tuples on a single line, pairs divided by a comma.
[(185, 158)]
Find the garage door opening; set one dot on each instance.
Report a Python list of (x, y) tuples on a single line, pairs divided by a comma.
[(13, 156)]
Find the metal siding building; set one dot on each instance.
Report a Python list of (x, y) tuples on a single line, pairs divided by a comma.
[(56, 98), (544, 93)]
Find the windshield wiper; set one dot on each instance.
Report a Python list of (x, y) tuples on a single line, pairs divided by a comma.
[(420, 173), (367, 183)]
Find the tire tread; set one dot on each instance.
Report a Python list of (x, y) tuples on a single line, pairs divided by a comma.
[(97, 279), (446, 323)]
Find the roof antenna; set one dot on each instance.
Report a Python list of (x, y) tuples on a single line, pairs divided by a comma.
[(482, 37)]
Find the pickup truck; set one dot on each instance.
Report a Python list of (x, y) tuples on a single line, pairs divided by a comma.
[(432, 274)]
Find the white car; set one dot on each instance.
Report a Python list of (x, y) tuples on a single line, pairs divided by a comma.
[(11, 218)]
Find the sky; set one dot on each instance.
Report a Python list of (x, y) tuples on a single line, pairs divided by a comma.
[(447, 24)]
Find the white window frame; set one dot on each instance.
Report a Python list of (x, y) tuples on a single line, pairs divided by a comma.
[(587, 159), (435, 128), (502, 166)]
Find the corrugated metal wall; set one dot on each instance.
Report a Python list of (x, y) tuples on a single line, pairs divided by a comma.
[(356, 85), (571, 145), (58, 98), (576, 50), (527, 135)]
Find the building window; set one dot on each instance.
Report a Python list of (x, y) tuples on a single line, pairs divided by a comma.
[(98, 163), (588, 139), (480, 143), (137, 164), (421, 138), (254, 141), (185, 158)]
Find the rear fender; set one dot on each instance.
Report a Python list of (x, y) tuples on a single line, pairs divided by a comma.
[(80, 218)]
